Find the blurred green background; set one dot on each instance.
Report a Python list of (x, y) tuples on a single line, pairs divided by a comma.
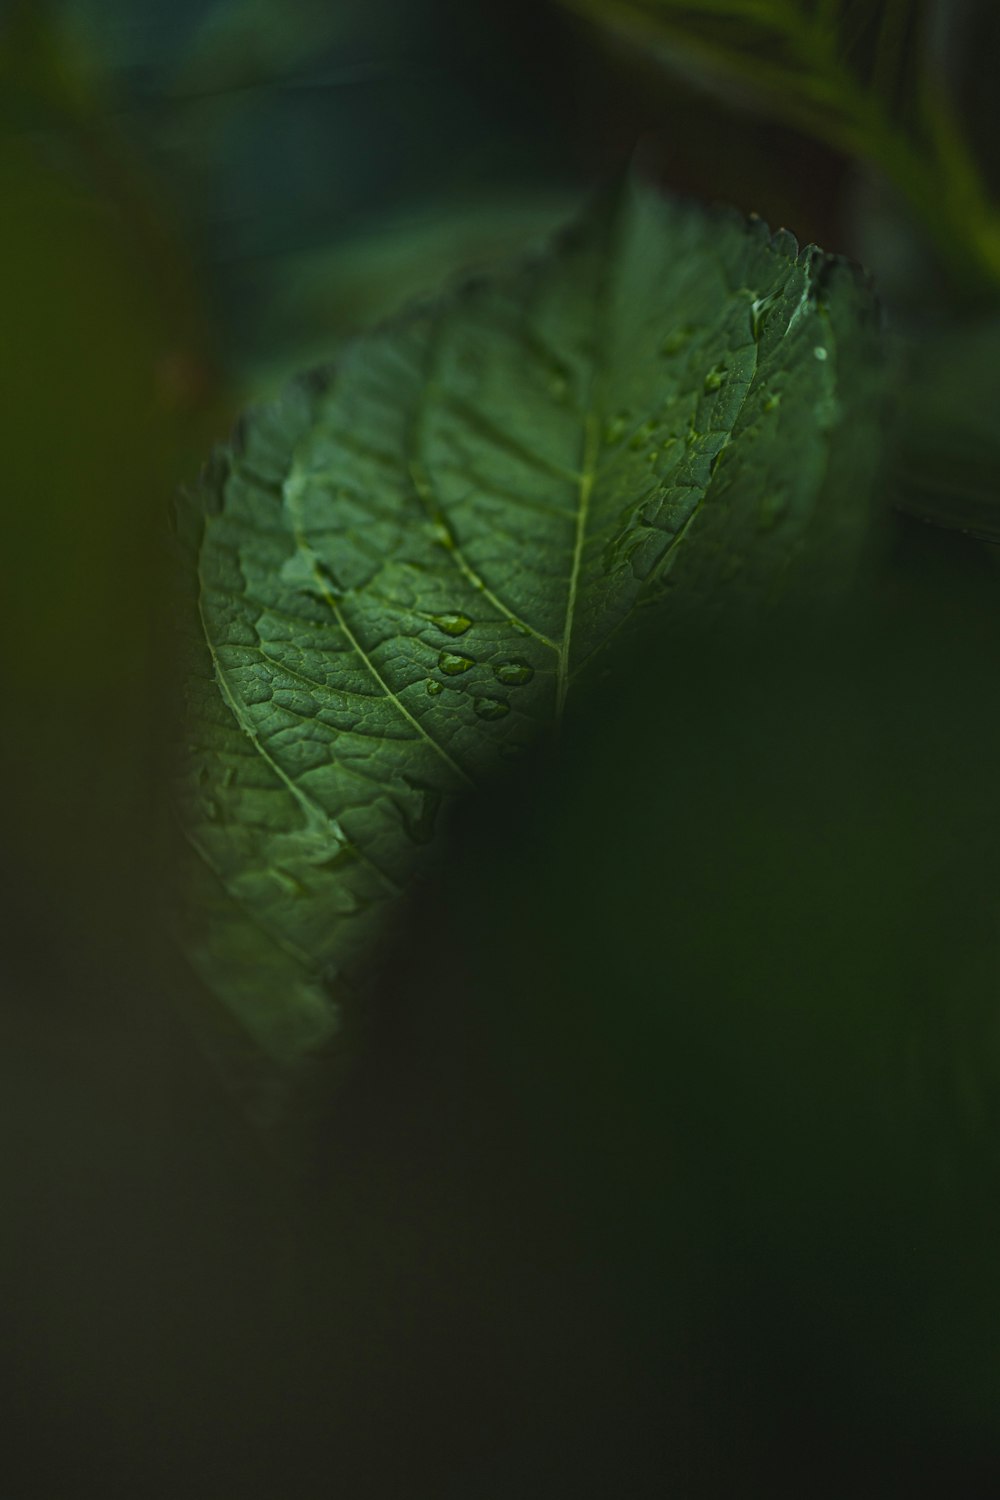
[(198, 199)]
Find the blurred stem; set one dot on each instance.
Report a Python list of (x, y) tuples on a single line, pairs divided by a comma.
[(815, 92), (969, 209)]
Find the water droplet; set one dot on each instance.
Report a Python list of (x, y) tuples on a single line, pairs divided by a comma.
[(492, 708), (452, 665), (514, 673), (434, 687), (676, 341), (714, 379), (451, 624), (819, 352)]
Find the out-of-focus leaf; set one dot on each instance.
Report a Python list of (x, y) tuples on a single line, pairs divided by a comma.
[(831, 66), (311, 299), (864, 77), (235, 44), (106, 387), (735, 954), (399, 571), (950, 429), (280, 131)]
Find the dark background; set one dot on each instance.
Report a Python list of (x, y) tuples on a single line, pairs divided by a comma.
[(197, 199)]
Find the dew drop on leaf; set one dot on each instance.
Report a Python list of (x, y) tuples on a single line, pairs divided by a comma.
[(491, 708), (452, 624), (452, 665), (515, 673)]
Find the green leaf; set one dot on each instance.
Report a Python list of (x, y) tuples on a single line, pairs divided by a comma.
[(756, 1038), (407, 564)]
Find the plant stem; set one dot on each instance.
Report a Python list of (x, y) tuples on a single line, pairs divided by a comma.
[(815, 92)]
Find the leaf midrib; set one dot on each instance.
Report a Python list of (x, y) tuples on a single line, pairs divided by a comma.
[(307, 805), (586, 479), (293, 488), (588, 475)]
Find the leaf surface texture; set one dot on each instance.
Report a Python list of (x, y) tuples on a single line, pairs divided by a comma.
[(399, 573)]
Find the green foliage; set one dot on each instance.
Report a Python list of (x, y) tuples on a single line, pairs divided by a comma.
[(401, 570), (673, 1134), (827, 63), (759, 1046), (859, 75)]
